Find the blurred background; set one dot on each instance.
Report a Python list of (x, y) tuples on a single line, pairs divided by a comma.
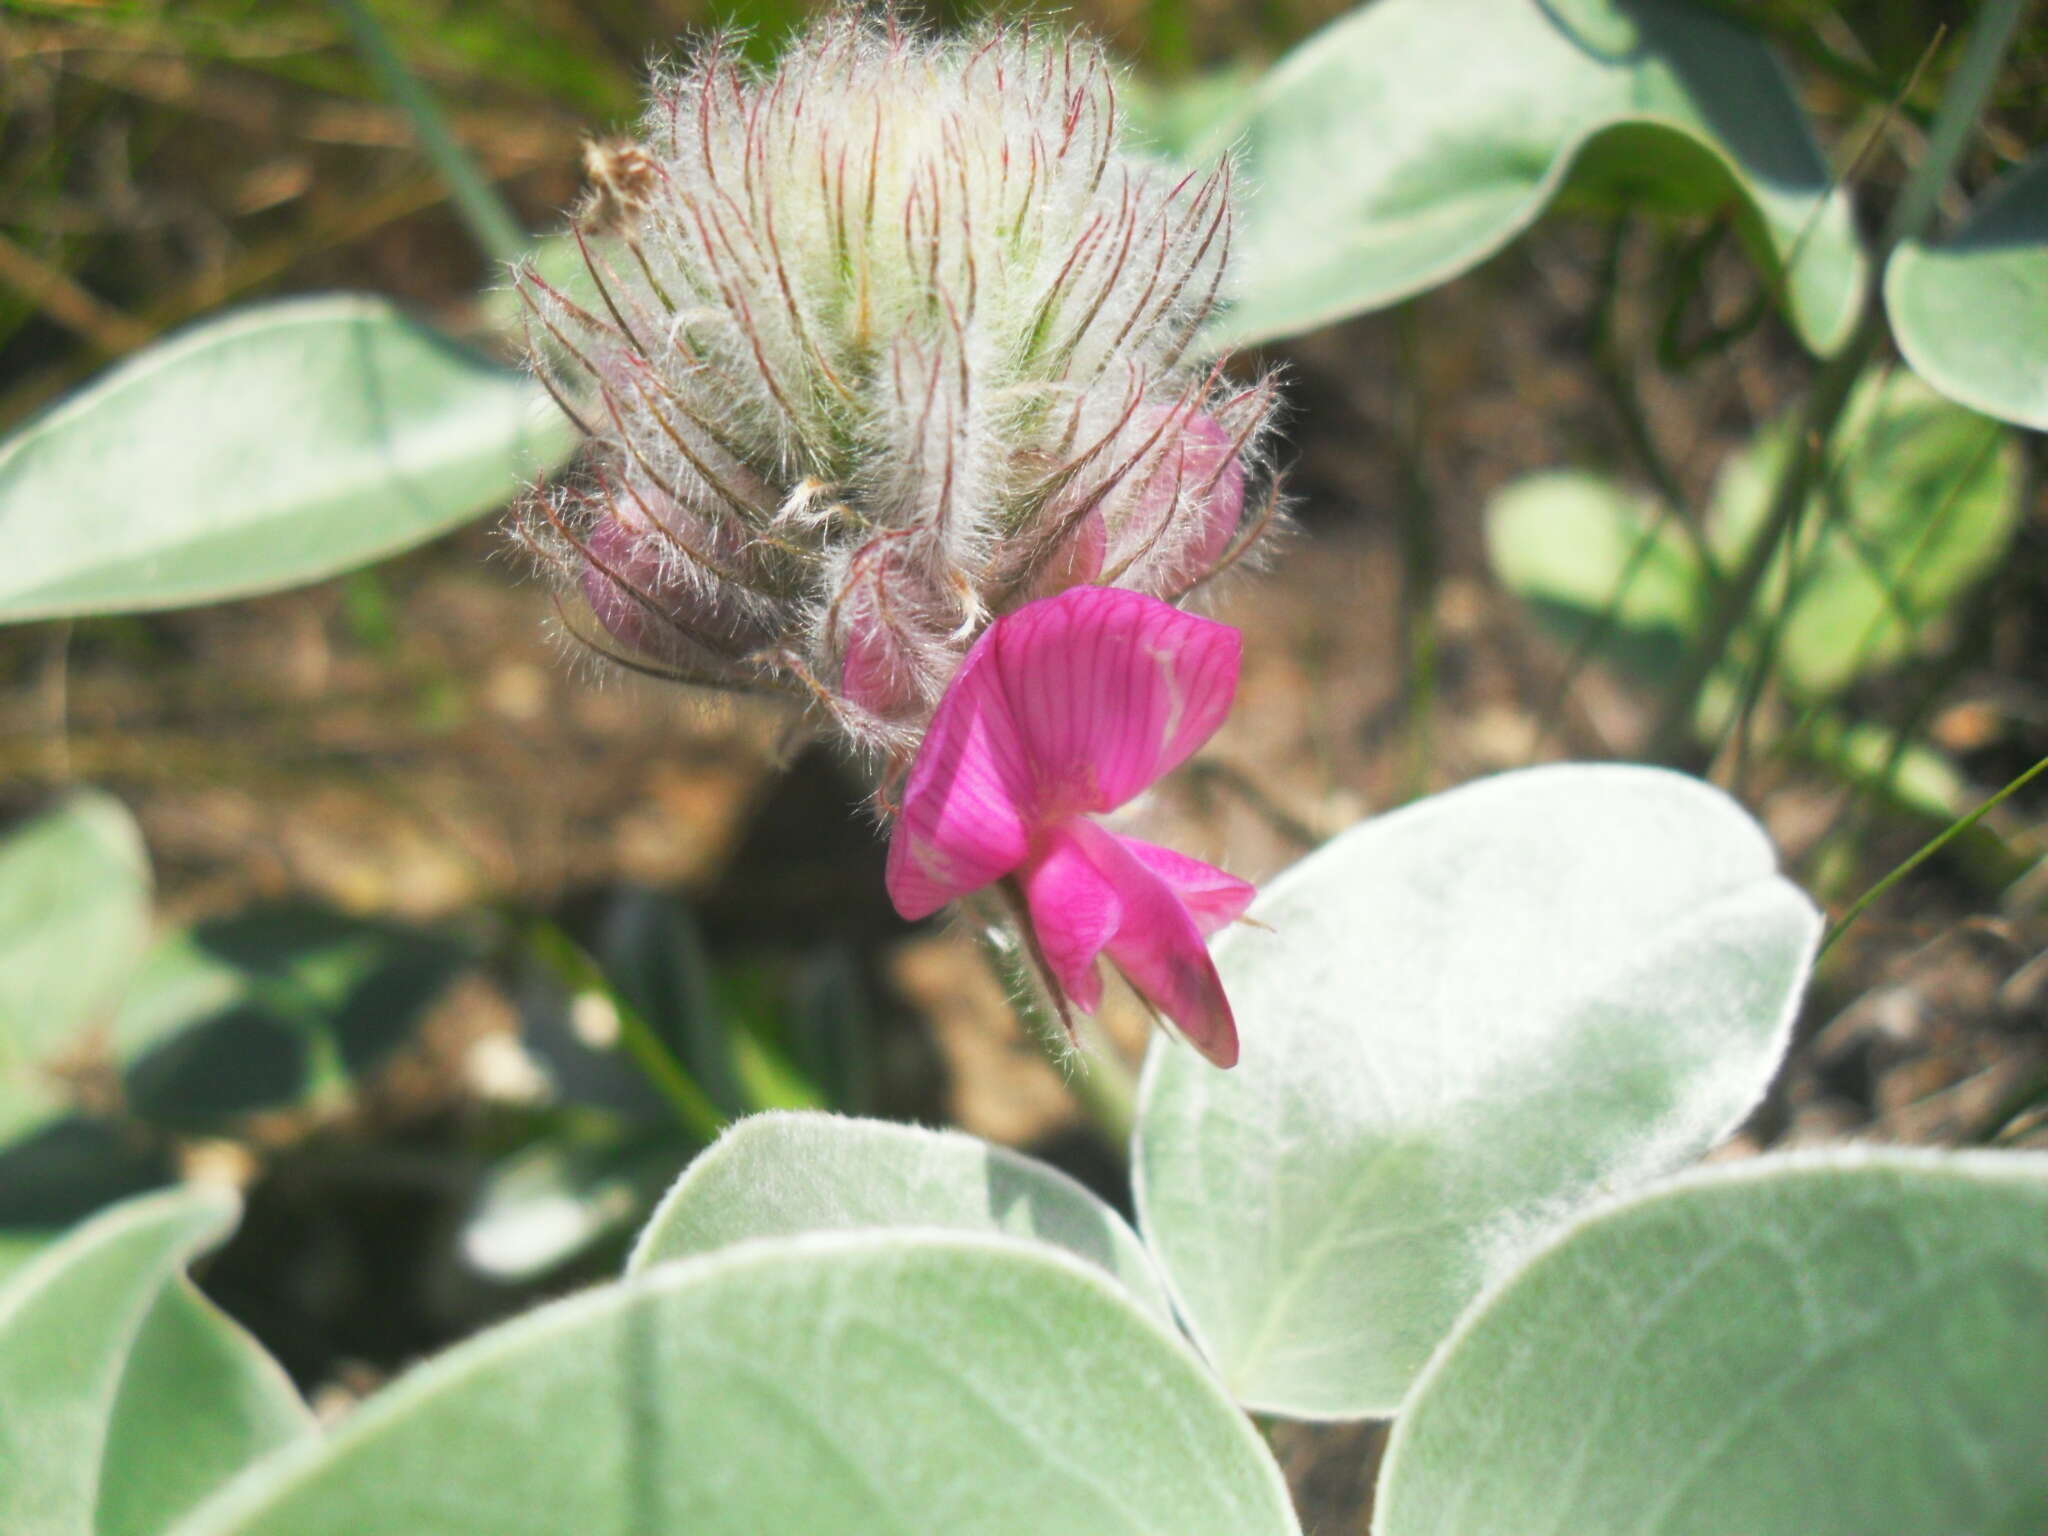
[(450, 945)]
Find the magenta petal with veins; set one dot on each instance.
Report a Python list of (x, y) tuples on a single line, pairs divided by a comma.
[(1063, 710)]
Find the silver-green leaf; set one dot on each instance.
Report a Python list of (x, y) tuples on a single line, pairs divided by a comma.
[(1408, 141), (1462, 1022), (74, 915), (1826, 1345), (781, 1173), (862, 1383), (128, 1396), (270, 447), (1971, 312)]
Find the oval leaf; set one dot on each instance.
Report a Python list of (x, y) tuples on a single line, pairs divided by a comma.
[(1469, 1018), (777, 1174), (272, 1005), (854, 1383), (74, 914), (1410, 140), (560, 1196), (1800, 1346), (129, 1397), (1971, 314), (199, 1400), (264, 449), (1592, 562)]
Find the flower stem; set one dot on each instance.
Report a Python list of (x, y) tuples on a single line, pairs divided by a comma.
[(1100, 1081)]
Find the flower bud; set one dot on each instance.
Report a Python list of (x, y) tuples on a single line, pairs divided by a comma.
[(877, 346)]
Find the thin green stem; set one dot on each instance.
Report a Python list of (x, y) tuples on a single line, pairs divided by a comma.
[(1817, 421), (491, 222), (574, 967), (1949, 834), (1968, 89), (1611, 366), (693, 1106)]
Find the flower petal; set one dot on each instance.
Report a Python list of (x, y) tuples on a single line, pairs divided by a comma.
[(965, 819), (1074, 913), (1158, 945), (1073, 703), (1215, 900), (1109, 690)]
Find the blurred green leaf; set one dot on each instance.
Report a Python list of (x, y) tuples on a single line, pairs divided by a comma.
[(16, 1249), (69, 1167), (653, 957), (162, 1457), (129, 1396), (1411, 139), (1916, 500), (74, 916), (559, 1197), (865, 1384), (1919, 498), (1463, 1022), (1971, 313), (263, 449), (776, 1175), (1591, 561), (1180, 118), (1813, 1346), (830, 1025), (557, 260), (273, 1005)]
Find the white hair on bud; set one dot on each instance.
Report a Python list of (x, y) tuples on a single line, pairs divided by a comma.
[(877, 345)]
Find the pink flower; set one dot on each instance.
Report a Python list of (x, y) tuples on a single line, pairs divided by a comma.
[(1064, 709)]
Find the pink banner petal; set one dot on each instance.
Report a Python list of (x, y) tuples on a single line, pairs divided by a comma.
[(965, 806), (1110, 690)]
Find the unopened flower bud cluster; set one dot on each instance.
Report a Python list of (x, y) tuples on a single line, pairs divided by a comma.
[(878, 346)]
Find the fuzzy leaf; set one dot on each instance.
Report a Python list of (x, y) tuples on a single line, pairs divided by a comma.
[(1801, 1346), (866, 1384), (74, 914), (1410, 140), (1971, 313), (128, 1396), (263, 449), (775, 1175), (1469, 1019)]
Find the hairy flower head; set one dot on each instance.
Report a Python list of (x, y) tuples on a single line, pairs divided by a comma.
[(880, 345)]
